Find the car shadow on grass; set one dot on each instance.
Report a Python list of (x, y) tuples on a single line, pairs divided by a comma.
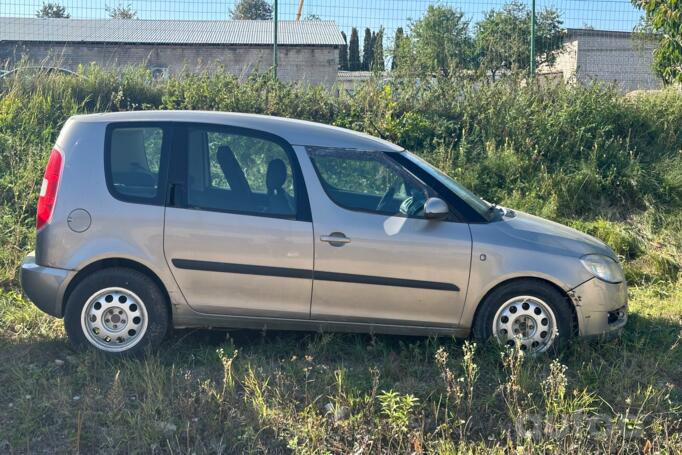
[(651, 335), (648, 351)]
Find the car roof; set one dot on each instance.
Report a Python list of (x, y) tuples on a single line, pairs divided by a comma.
[(296, 132)]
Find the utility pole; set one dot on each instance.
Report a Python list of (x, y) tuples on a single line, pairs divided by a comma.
[(299, 10), (532, 38), (274, 40)]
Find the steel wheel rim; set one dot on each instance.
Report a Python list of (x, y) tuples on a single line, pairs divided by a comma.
[(527, 321), (114, 319)]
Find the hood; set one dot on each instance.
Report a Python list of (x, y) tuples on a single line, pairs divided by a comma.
[(550, 235)]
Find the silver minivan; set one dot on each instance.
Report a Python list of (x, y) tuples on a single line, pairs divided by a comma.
[(148, 220)]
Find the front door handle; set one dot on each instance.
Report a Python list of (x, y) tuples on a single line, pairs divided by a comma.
[(335, 239)]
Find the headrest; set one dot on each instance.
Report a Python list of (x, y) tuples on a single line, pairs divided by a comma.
[(277, 174), (224, 154)]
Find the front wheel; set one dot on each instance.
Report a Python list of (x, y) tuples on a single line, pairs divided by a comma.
[(532, 314), (117, 311)]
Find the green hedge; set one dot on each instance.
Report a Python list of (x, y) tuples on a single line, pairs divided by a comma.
[(584, 153)]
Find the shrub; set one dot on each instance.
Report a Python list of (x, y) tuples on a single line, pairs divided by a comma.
[(563, 152)]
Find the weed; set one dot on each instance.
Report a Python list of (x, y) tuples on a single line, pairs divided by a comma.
[(586, 156)]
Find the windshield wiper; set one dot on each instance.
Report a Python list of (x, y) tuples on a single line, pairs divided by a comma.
[(491, 205), (501, 210)]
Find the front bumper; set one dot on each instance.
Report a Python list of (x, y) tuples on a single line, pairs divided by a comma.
[(601, 307), (44, 286)]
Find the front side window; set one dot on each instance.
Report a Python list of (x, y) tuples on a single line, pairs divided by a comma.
[(134, 160), (368, 182), (233, 172), (481, 207)]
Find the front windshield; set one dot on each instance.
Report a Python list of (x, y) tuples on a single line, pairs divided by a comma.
[(475, 202)]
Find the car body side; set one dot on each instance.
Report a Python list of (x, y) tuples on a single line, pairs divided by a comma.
[(507, 249)]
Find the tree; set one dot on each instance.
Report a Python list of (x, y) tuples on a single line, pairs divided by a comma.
[(53, 10), (121, 12), (664, 20), (343, 53), (252, 10), (378, 51), (441, 41), (367, 50), (403, 56), (503, 39), (312, 17), (354, 51), (397, 42)]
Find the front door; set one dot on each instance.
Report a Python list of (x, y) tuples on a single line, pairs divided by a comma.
[(238, 234), (377, 259)]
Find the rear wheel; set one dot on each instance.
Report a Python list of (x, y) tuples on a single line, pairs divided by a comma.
[(117, 311), (532, 314)]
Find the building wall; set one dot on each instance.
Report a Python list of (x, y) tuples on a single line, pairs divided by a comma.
[(565, 65), (610, 58), (625, 60), (349, 81), (316, 65)]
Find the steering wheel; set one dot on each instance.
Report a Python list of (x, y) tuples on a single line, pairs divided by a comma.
[(413, 205), (387, 197)]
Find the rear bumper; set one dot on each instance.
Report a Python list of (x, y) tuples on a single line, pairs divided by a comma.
[(44, 286), (601, 307)]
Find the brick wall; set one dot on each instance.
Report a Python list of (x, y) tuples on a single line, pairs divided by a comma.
[(316, 65)]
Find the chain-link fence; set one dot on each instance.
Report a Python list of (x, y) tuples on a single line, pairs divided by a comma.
[(328, 42)]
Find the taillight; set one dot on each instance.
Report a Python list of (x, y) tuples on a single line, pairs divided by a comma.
[(48, 190)]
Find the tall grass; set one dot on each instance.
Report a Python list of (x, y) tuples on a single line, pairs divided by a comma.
[(608, 164), (303, 393), (586, 155)]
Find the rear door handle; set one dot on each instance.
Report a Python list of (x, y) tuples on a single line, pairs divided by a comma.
[(335, 239)]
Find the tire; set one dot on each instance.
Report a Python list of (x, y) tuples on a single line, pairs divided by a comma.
[(517, 312), (116, 311)]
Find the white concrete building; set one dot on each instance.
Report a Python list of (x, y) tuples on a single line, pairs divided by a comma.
[(622, 58)]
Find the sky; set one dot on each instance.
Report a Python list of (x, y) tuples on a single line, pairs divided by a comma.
[(600, 14)]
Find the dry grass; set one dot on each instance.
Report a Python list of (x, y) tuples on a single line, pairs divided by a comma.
[(246, 391), (586, 156)]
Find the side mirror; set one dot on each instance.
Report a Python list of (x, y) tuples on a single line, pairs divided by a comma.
[(435, 209)]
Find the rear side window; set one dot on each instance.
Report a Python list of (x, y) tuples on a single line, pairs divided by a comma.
[(134, 161), (233, 172)]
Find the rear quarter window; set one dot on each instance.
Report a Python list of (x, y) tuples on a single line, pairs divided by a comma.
[(134, 161)]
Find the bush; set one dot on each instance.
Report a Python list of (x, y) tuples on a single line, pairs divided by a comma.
[(564, 152)]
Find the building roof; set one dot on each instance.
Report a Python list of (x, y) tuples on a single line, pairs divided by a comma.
[(142, 31), (296, 132), (578, 32)]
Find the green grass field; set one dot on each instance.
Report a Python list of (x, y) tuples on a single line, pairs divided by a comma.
[(253, 392), (604, 163)]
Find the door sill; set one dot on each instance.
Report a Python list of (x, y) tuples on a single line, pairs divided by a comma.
[(192, 319)]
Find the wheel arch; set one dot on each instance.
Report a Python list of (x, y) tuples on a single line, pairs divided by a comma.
[(116, 262), (574, 322)]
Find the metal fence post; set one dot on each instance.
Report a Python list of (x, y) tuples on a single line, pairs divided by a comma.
[(274, 40), (532, 38)]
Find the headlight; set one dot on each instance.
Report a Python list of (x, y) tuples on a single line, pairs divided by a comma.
[(603, 267)]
